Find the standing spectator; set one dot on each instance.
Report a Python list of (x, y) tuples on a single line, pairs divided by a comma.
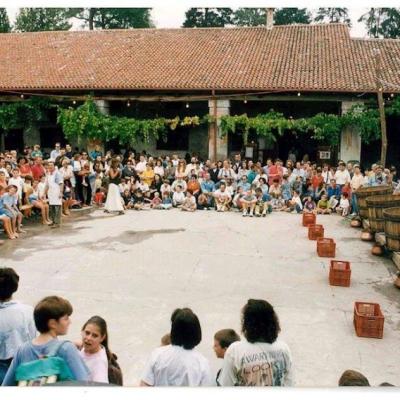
[(54, 191), (114, 200), (342, 175), (179, 364), (36, 152), (55, 152), (327, 174), (357, 181), (96, 152), (37, 169), (262, 359), (52, 319), (16, 320)]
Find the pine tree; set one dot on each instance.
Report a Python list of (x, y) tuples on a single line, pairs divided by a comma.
[(208, 17), (4, 21), (333, 15), (42, 19)]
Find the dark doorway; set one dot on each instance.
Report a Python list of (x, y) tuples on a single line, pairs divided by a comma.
[(14, 140)]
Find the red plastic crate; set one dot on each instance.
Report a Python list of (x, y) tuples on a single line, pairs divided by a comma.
[(326, 247), (368, 320), (315, 232), (339, 273), (309, 219)]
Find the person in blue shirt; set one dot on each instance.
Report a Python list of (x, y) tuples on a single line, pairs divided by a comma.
[(333, 190), (52, 319), (244, 183)]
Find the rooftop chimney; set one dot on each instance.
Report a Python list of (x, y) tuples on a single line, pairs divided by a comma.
[(269, 12)]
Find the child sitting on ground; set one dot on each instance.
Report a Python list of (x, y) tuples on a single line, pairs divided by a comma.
[(156, 203), (237, 198), (344, 205), (99, 197), (127, 199), (138, 200), (248, 203), (323, 205), (166, 201), (261, 207), (189, 204), (222, 340), (309, 204), (295, 204), (178, 197)]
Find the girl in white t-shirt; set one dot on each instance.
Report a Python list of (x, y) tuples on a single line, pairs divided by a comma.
[(95, 351)]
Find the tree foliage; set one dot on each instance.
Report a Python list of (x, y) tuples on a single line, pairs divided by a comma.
[(382, 22), (42, 19), (288, 16), (207, 17), (112, 18), (333, 15), (4, 21)]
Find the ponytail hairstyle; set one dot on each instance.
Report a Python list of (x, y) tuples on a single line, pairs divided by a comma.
[(102, 325)]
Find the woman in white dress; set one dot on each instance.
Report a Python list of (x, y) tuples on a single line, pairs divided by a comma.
[(114, 200)]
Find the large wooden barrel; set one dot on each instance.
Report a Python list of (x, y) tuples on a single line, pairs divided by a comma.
[(392, 228), (376, 205), (364, 192)]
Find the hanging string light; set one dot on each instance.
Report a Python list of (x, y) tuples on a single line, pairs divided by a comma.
[(298, 94), (74, 102), (22, 96), (245, 100), (187, 105), (128, 103)]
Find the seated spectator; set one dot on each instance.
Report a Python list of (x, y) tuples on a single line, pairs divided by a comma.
[(262, 203), (127, 199), (178, 197), (222, 340), (39, 203), (10, 201), (294, 204), (166, 201), (156, 202), (222, 199), (138, 200), (248, 202), (52, 319), (237, 198), (179, 364), (344, 206), (16, 320), (193, 186), (181, 183), (275, 192), (243, 183), (323, 206), (99, 197), (353, 378), (333, 190), (189, 204), (285, 189), (321, 190), (309, 204), (250, 362)]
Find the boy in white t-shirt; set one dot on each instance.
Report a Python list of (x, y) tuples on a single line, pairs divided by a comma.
[(178, 197), (344, 205)]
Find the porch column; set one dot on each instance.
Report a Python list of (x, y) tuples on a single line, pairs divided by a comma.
[(222, 143), (350, 140)]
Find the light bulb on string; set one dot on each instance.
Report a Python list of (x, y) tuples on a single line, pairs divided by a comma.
[(74, 102), (298, 94), (392, 95), (128, 103), (22, 96), (187, 105), (245, 100)]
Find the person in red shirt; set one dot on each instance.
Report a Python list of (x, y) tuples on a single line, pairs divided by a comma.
[(24, 167), (37, 169), (317, 179)]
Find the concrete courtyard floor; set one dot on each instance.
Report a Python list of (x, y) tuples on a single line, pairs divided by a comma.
[(134, 270)]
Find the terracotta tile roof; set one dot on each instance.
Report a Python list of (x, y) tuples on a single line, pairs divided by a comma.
[(319, 57)]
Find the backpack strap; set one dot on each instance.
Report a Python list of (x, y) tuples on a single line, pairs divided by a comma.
[(55, 349)]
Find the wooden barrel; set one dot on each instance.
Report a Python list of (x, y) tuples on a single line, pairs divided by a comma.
[(392, 228), (364, 192), (376, 205)]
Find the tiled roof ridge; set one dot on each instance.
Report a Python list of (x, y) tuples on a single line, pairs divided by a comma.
[(368, 39), (230, 28)]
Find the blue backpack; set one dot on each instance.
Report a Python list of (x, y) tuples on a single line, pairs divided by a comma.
[(46, 369)]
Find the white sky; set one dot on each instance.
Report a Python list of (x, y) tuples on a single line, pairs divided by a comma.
[(171, 14)]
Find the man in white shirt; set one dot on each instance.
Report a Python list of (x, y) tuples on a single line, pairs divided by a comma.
[(141, 165), (18, 182), (327, 174), (342, 175), (55, 152)]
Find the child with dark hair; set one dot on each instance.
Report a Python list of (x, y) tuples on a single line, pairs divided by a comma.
[(309, 204), (51, 317), (344, 205), (261, 359), (16, 320), (353, 378), (179, 364), (222, 340), (96, 353)]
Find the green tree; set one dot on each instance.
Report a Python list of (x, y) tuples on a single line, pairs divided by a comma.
[(208, 17), (382, 22), (333, 15), (4, 21), (288, 16), (249, 17), (42, 19), (113, 18)]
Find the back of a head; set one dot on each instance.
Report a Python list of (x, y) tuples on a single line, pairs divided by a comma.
[(225, 337), (353, 378), (9, 280), (260, 322), (185, 328), (51, 307)]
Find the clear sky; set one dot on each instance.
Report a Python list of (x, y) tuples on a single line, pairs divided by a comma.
[(172, 15)]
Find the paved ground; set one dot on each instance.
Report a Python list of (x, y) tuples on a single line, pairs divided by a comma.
[(135, 269)]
